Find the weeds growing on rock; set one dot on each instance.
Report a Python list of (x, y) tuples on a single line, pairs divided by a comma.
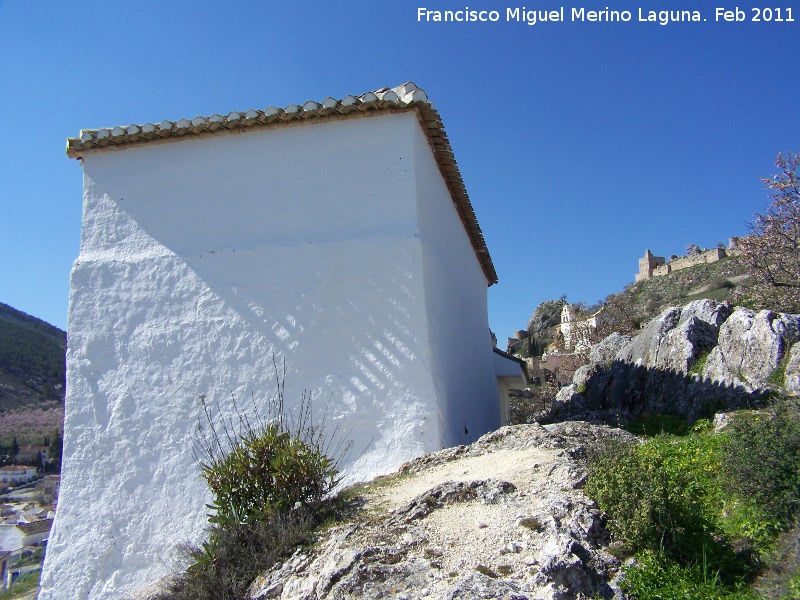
[(700, 511), (699, 364), (270, 476), (234, 555), (488, 571)]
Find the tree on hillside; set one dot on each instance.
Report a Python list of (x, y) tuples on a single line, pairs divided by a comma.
[(773, 247), (55, 448), (620, 317)]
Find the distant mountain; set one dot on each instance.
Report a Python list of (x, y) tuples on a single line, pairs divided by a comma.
[(32, 361)]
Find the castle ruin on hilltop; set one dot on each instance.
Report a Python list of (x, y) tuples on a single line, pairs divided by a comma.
[(652, 266)]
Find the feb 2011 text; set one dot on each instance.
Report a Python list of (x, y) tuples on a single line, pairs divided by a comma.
[(523, 15)]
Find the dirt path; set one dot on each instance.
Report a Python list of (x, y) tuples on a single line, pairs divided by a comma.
[(520, 467)]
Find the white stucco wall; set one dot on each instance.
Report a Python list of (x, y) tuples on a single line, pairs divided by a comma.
[(509, 375), (456, 307), (11, 538), (202, 259)]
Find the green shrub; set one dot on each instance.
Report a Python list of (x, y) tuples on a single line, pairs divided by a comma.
[(794, 587), (644, 496), (651, 425), (701, 513), (268, 469), (271, 464), (657, 578), (665, 497), (762, 463), (269, 477), (224, 567)]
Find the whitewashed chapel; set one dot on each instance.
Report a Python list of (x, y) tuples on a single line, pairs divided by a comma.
[(337, 235)]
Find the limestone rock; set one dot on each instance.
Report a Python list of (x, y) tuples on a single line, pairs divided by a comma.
[(602, 354), (709, 311), (792, 380), (751, 346), (581, 376), (722, 420), (643, 350), (568, 401), (677, 337), (441, 529), (654, 372)]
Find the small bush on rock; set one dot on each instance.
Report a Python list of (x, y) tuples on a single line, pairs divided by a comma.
[(270, 477), (268, 469), (224, 566), (270, 463)]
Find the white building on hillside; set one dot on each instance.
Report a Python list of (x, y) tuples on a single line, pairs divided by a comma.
[(15, 537), (17, 474), (335, 235), (578, 332)]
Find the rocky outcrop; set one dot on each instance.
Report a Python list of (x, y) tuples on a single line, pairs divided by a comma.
[(502, 518), (603, 354), (751, 346), (689, 361), (792, 382), (677, 337)]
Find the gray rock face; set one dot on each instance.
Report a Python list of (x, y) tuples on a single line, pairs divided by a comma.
[(657, 370), (643, 350), (792, 383), (651, 373), (568, 401), (709, 311), (582, 376), (677, 337), (602, 355), (751, 346), (436, 531)]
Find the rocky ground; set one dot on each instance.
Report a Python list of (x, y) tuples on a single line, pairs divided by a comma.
[(502, 518)]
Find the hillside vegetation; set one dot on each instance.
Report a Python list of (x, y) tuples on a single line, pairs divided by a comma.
[(639, 302), (728, 279), (32, 361)]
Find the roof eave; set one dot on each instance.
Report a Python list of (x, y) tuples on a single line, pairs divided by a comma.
[(385, 101)]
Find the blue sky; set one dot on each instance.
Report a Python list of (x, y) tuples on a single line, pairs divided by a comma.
[(581, 144)]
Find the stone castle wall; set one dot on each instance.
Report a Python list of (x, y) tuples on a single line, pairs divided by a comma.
[(653, 266)]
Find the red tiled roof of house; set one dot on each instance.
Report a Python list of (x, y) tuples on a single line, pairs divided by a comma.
[(35, 527)]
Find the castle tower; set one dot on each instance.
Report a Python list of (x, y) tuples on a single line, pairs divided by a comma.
[(647, 264)]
